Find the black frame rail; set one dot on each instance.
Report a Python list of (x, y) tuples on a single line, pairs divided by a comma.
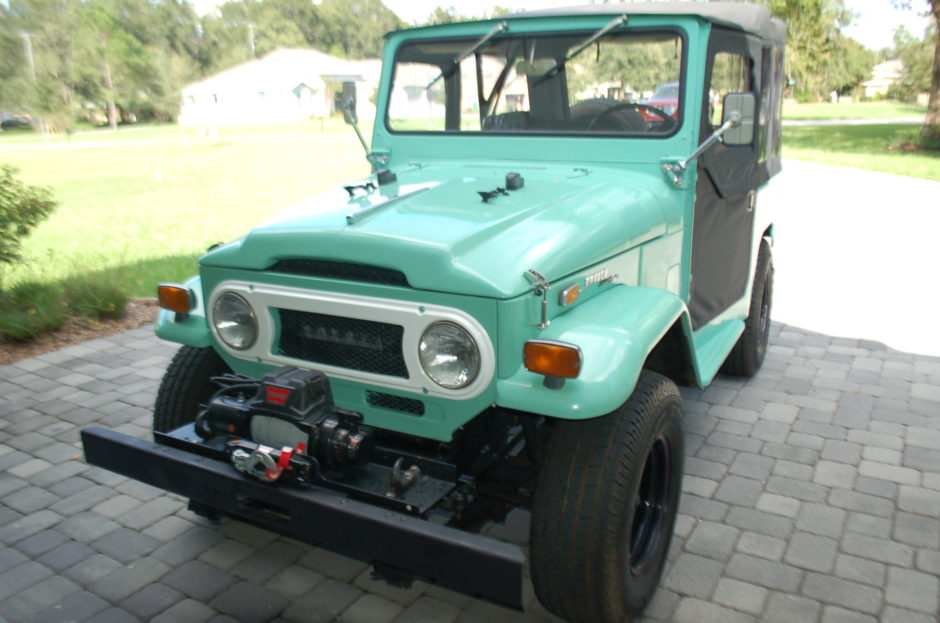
[(458, 560)]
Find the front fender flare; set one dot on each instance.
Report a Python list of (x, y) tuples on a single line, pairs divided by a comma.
[(616, 332)]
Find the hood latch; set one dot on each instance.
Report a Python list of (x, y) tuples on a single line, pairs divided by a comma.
[(542, 286)]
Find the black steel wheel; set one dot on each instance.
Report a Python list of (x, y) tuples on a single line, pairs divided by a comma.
[(186, 385), (748, 353), (605, 507)]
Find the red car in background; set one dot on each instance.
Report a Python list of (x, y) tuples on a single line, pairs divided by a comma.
[(666, 99)]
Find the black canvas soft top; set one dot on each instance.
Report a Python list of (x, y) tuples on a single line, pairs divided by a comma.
[(750, 18)]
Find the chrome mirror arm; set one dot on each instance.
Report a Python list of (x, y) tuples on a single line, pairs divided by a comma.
[(675, 170)]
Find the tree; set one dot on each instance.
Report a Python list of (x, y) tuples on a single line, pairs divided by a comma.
[(355, 28), (847, 67), (119, 55), (39, 74), (812, 35), (639, 66), (450, 15), (114, 59), (917, 56), (132, 57), (444, 16), (930, 137)]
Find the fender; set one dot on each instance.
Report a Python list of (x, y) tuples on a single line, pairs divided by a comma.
[(193, 330), (615, 331)]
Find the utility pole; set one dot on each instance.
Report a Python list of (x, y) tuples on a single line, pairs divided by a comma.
[(28, 51), (251, 38)]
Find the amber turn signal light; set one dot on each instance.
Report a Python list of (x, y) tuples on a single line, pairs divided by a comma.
[(176, 298), (569, 295), (552, 358)]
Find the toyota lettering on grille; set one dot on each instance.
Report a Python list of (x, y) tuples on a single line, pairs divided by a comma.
[(346, 338)]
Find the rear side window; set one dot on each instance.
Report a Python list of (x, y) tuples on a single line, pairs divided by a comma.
[(731, 73)]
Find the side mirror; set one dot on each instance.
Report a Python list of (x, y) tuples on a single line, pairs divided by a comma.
[(739, 109), (737, 128), (349, 102)]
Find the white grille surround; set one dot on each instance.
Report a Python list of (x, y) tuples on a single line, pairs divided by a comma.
[(412, 316)]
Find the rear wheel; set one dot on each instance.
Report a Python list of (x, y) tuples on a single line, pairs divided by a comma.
[(605, 506), (746, 357), (186, 385)]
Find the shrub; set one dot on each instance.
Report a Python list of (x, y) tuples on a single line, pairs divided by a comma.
[(906, 140), (914, 140), (31, 309), (22, 207), (99, 297)]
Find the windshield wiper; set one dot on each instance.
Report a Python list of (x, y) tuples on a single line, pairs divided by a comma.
[(617, 21), (503, 26)]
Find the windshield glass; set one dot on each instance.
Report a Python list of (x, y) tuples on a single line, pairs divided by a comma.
[(524, 84)]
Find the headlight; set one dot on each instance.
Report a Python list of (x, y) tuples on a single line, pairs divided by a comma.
[(449, 355), (234, 321)]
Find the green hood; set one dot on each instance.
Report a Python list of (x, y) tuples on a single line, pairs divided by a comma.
[(440, 233)]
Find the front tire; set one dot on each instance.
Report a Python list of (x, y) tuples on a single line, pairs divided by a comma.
[(186, 385), (605, 507)]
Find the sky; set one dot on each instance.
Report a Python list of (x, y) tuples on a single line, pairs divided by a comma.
[(874, 26)]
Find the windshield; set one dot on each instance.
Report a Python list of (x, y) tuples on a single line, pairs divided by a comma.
[(667, 91), (540, 84)]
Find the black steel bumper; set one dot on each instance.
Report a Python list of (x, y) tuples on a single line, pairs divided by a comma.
[(459, 560)]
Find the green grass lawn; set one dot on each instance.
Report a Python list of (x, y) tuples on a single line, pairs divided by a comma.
[(143, 203), (855, 110), (861, 146)]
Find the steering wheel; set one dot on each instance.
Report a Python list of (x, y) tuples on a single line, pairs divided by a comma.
[(667, 124)]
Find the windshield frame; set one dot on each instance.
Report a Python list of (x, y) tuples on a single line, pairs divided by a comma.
[(671, 29)]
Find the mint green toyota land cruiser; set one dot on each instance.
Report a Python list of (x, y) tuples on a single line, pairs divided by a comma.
[(498, 317)]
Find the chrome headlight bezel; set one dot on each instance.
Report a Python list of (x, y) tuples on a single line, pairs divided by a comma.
[(231, 315), (441, 344)]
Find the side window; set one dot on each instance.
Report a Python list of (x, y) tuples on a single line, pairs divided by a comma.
[(778, 101), (766, 97), (731, 73)]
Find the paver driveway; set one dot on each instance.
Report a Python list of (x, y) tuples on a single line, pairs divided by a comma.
[(812, 493)]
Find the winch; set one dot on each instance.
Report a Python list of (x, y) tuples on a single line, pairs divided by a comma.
[(288, 412)]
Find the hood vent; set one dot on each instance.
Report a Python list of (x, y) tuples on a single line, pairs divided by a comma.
[(342, 270)]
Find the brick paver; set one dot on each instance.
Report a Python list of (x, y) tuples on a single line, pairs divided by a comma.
[(812, 493)]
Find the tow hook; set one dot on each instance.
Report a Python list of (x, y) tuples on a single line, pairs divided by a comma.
[(264, 462), (401, 479)]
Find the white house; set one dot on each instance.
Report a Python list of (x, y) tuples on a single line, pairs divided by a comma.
[(283, 86), (884, 77)]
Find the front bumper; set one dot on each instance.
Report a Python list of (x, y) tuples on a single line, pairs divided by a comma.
[(455, 559)]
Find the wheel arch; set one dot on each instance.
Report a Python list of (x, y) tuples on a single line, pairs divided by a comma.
[(672, 356), (620, 333)]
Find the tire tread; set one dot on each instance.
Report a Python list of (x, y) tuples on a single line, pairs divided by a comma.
[(186, 384), (579, 501)]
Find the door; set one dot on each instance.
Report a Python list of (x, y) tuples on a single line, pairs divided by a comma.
[(727, 181)]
